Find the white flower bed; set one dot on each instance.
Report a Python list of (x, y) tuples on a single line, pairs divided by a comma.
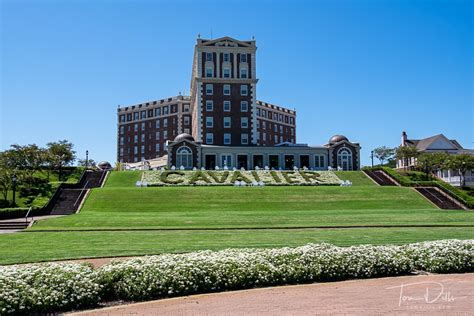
[(54, 287), (41, 288), (224, 177)]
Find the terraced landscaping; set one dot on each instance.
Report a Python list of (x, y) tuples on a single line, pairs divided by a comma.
[(122, 220)]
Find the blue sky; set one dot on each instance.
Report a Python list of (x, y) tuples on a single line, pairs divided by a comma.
[(365, 69)]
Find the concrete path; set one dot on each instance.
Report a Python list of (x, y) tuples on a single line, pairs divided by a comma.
[(407, 295)]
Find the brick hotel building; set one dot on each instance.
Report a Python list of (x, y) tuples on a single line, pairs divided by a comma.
[(222, 122)]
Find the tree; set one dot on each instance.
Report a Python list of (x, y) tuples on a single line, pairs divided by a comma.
[(383, 153), (462, 163), (406, 153), (431, 162), (6, 175), (61, 154), (26, 158)]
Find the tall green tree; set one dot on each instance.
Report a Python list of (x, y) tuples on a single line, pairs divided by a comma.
[(406, 153), (430, 163), (61, 154), (462, 163), (6, 175), (383, 153)]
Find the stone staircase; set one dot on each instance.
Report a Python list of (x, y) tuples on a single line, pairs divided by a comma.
[(381, 178), (13, 224), (439, 198), (69, 198)]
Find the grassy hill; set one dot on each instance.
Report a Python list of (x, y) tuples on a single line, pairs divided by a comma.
[(121, 219)]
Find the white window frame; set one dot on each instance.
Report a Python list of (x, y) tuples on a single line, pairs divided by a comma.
[(209, 105), (209, 89), (246, 106), (209, 72), (244, 92), (244, 138), (209, 138), (224, 106), (227, 138), (227, 122), (244, 74), (224, 89), (209, 122), (244, 122), (226, 71)]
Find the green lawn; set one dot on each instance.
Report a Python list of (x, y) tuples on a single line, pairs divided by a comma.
[(226, 216)]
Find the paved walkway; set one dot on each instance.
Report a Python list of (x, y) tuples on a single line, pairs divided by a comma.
[(407, 295)]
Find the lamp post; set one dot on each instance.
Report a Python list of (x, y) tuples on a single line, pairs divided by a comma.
[(372, 157), (14, 179), (87, 159)]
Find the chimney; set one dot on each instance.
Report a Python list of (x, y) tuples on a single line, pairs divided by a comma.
[(404, 138)]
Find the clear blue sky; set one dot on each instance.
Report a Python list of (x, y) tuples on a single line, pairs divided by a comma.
[(365, 69)]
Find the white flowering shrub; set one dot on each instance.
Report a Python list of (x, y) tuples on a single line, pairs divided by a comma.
[(229, 177), (42, 288), (443, 256)]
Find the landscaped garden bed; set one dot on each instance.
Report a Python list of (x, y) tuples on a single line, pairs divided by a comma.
[(63, 286), (228, 177)]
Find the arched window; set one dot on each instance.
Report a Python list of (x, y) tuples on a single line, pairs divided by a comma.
[(184, 157), (344, 159)]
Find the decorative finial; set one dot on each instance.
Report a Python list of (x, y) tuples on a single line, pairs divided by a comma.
[(199, 35)]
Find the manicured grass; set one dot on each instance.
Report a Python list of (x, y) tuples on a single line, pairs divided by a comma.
[(357, 178), (126, 179), (211, 207), (222, 213)]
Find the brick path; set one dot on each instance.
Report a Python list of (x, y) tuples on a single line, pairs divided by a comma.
[(407, 295)]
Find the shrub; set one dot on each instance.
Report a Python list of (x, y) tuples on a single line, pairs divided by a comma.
[(43, 288)]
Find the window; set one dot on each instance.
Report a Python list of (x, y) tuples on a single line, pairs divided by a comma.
[(143, 114), (244, 138), (209, 121), (165, 122), (122, 118), (157, 148), (227, 138), (157, 111), (209, 105), (186, 130), (157, 123), (226, 106), (135, 150), (143, 126), (226, 72), (281, 128), (157, 135), (226, 122), (244, 106), (276, 139), (209, 89), (281, 139), (165, 135), (258, 123), (143, 138), (150, 113), (275, 128), (208, 56), (122, 129), (226, 57), (243, 89), (227, 89), (186, 120), (264, 125), (121, 151), (184, 157), (243, 58), (122, 140), (165, 110), (319, 161), (244, 122), (185, 107), (135, 127), (291, 120), (209, 72), (264, 136), (243, 73), (142, 149), (135, 116), (292, 131), (344, 159), (209, 138), (226, 160), (129, 117)]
